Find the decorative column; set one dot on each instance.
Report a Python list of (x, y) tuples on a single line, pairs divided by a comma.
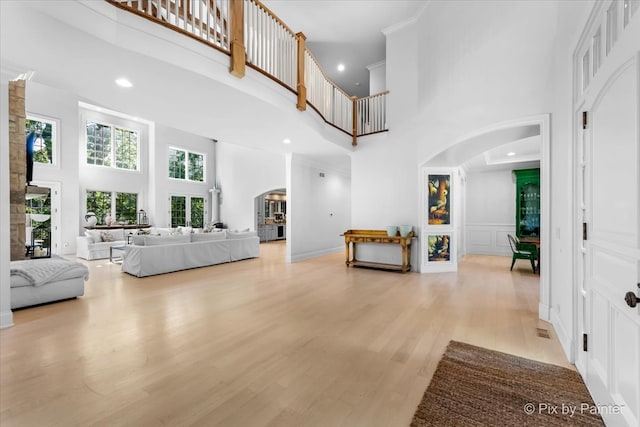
[(301, 88), (238, 52), (215, 204), (17, 168)]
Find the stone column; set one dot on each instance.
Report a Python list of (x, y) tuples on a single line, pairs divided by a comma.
[(17, 168)]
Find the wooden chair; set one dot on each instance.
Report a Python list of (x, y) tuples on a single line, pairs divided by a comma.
[(523, 251)]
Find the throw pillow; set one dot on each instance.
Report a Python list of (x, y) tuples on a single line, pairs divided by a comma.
[(106, 236), (93, 236)]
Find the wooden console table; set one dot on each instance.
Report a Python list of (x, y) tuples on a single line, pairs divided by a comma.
[(353, 237), (118, 226)]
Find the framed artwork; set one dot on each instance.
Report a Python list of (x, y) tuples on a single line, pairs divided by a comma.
[(439, 248), (439, 199)]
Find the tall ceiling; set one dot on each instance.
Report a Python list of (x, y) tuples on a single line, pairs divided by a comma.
[(346, 32)]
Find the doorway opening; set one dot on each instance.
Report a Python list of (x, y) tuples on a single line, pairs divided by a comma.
[(271, 215), (499, 136)]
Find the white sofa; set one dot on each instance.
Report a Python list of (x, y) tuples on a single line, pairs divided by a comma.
[(95, 244), (150, 255)]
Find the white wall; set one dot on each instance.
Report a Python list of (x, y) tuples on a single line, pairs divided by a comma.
[(242, 175), (6, 317), (163, 186), (318, 208), (377, 77), (490, 212), (63, 107)]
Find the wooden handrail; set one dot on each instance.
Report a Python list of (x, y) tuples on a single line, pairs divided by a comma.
[(375, 95), (275, 51), (274, 16)]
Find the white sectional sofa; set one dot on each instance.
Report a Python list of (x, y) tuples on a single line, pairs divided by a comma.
[(95, 244), (150, 255)]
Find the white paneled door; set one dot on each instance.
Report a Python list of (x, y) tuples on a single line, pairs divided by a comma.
[(609, 182)]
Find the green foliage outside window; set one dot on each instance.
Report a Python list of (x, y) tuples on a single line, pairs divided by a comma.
[(127, 208), (177, 167), (197, 212), (178, 211), (196, 167), (40, 230), (122, 154), (98, 144), (126, 149), (43, 146), (186, 165), (99, 202)]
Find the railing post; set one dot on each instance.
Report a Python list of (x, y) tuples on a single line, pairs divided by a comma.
[(301, 88), (238, 52), (354, 100)]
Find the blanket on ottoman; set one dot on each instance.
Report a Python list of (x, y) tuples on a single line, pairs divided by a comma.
[(37, 272)]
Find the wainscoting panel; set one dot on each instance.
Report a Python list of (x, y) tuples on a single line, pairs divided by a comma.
[(488, 239)]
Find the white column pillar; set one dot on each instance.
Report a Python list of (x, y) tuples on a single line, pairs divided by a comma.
[(215, 204)]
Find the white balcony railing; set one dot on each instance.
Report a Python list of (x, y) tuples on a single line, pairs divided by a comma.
[(270, 46)]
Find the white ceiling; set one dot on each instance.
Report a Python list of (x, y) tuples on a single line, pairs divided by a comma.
[(347, 32)]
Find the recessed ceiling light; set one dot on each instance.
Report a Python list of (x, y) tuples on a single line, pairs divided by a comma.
[(340, 67), (286, 141), (122, 82), (511, 153)]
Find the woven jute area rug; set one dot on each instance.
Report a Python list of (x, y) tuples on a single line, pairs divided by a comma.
[(473, 386)]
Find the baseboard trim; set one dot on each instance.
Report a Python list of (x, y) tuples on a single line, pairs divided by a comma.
[(565, 340), (314, 254), (543, 312), (6, 319)]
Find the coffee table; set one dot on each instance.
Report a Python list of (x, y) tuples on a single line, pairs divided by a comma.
[(119, 252)]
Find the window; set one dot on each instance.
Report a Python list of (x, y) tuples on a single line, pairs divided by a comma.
[(112, 146), (99, 202), (186, 165), (44, 146), (176, 164), (123, 207), (126, 149), (127, 207), (187, 211)]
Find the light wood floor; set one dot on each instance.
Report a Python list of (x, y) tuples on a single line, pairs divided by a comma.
[(259, 343)]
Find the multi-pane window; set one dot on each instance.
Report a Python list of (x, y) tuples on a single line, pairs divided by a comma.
[(187, 211), (196, 167), (197, 212), (127, 207), (122, 207), (44, 145), (99, 202), (112, 146), (126, 149), (177, 166), (186, 165)]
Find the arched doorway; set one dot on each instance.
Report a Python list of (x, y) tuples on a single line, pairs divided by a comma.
[(474, 144), (271, 215)]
